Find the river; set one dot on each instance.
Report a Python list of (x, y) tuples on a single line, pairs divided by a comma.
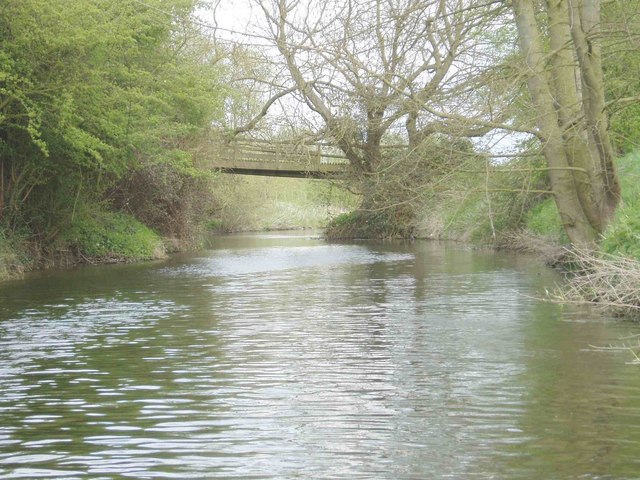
[(284, 356)]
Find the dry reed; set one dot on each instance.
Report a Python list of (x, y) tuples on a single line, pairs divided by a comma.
[(606, 281)]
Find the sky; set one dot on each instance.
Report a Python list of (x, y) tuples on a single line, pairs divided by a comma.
[(234, 19)]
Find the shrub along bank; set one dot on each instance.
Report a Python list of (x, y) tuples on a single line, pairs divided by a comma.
[(468, 199), (104, 110), (100, 236)]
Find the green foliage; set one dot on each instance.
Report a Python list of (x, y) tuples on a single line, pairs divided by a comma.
[(97, 85), (393, 196), (391, 222), (621, 68), (473, 216), (543, 219), (480, 201), (629, 171), (345, 220), (92, 91), (397, 221), (13, 255), (105, 235), (625, 125), (174, 202), (214, 225), (623, 235)]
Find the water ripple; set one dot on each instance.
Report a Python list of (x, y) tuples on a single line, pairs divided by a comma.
[(315, 361)]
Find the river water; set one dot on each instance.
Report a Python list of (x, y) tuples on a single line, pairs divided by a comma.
[(284, 356)]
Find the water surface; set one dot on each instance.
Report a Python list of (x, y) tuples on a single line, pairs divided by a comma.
[(283, 356)]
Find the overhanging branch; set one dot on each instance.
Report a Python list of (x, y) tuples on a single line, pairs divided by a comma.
[(263, 113)]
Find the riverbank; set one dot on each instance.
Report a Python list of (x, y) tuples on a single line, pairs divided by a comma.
[(229, 203), (500, 217), (505, 207), (104, 238)]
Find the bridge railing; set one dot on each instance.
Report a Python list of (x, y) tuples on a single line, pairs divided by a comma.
[(276, 156)]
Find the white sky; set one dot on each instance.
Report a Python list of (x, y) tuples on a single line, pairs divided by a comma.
[(234, 19)]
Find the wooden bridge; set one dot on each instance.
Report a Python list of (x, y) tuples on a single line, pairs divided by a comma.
[(277, 159)]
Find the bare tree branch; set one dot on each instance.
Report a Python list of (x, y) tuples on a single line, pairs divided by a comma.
[(263, 113)]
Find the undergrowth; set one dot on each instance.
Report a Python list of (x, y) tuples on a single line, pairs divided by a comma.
[(623, 235), (610, 282), (13, 255), (494, 205), (543, 220), (609, 278), (101, 236), (393, 222)]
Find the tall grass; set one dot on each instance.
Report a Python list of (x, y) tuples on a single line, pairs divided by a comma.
[(484, 203), (13, 258), (623, 235)]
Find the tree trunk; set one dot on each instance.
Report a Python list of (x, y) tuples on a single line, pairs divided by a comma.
[(564, 87), (583, 181), (585, 32)]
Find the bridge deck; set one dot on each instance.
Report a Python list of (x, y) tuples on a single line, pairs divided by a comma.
[(280, 159)]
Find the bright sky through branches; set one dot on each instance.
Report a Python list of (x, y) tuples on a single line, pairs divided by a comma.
[(242, 22), (234, 20)]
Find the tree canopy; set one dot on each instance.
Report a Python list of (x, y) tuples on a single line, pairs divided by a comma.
[(91, 89)]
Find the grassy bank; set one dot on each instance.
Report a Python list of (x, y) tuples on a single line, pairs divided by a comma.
[(94, 237), (468, 199), (246, 203), (110, 237), (501, 205), (610, 277)]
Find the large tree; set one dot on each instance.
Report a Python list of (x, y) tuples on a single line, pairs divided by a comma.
[(408, 69), (560, 42), (367, 68)]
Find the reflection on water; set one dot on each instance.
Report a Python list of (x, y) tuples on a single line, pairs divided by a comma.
[(278, 356)]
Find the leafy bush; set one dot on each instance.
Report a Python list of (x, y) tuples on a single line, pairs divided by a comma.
[(173, 203), (107, 236), (98, 97)]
